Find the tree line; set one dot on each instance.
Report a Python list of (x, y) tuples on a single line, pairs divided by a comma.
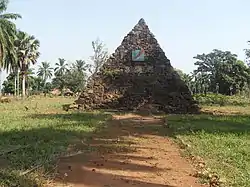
[(65, 75), (19, 50), (219, 72), (216, 72)]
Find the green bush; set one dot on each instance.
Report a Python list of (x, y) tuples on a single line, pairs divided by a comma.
[(221, 100)]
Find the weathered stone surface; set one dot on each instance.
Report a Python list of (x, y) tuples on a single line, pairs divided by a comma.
[(124, 84)]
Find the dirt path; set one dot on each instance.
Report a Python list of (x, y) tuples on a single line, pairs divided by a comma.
[(132, 151)]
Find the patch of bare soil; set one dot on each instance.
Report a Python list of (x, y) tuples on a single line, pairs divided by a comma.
[(132, 151)]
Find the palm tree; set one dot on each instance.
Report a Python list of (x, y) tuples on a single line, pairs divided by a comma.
[(80, 66), (45, 71), (29, 74), (61, 67), (27, 52), (78, 70), (7, 36)]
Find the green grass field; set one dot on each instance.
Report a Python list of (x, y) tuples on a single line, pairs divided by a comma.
[(35, 132), (221, 139), (38, 136)]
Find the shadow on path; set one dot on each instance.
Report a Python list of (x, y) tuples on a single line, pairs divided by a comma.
[(128, 149)]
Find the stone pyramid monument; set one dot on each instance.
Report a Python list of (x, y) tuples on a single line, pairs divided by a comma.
[(137, 74)]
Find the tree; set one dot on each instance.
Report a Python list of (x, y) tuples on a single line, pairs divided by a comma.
[(184, 76), (80, 66), (37, 84), (9, 84), (45, 71), (8, 34), (241, 75), (187, 78), (99, 57), (27, 52), (74, 78), (221, 70), (8, 58), (47, 87), (34, 84), (78, 72), (61, 67), (60, 70), (29, 75), (247, 53), (201, 83)]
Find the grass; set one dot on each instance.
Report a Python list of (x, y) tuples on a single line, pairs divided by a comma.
[(222, 140), (222, 100), (43, 132), (38, 136)]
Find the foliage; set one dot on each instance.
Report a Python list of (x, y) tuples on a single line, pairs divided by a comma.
[(247, 52), (77, 75), (218, 72), (9, 84), (61, 67), (100, 55), (65, 76), (27, 52), (33, 83), (80, 66), (221, 100), (47, 87), (73, 78), (223, 69), (37, 85), (45, 71), (8, 58), (185, 77)]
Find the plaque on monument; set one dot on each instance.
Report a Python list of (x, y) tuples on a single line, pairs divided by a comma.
[(138, 55)]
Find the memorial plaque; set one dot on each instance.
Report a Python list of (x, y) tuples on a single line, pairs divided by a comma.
[(138, 55)]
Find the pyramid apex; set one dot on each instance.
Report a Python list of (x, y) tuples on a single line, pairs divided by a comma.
[(141, 22)]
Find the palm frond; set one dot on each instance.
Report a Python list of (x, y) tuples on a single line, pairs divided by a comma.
[(3, 5), (8, 33), (10, 16)]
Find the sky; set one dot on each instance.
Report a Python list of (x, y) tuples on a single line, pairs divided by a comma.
[(183, 28)]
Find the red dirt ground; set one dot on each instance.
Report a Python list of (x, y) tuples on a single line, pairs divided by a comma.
[(131, 151)]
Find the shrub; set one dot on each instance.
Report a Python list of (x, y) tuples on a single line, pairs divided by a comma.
[(221, 100)]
